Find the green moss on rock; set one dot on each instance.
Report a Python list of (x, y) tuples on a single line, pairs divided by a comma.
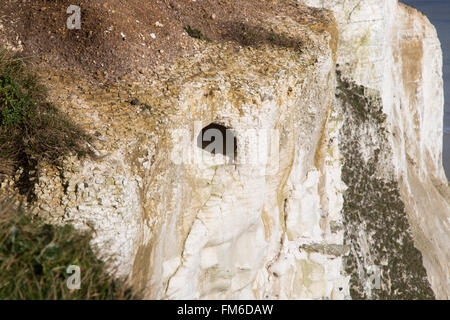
[(373, 209)]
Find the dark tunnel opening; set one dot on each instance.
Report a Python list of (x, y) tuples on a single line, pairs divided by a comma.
[(216, 138)]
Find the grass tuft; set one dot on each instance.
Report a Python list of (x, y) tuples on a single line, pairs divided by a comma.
[(34, 257), (195, 33), (31, 128)]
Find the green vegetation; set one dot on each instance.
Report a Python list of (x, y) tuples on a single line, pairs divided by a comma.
[(195, 33), (373, 206), (31, 128), (34, 257)]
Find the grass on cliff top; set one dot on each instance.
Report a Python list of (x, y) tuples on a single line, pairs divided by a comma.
[(31, 128), (34, 258)]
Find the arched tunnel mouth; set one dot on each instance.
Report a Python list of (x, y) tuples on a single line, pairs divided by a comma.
[(218, 139)]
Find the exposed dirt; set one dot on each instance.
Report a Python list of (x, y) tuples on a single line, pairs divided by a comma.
[(116, 35)]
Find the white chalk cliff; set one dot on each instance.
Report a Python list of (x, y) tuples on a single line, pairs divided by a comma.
[(347, 200)]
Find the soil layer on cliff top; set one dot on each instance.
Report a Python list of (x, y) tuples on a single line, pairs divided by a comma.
[(118, 36)]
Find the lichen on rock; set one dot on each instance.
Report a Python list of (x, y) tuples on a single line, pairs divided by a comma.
[(383, 263)]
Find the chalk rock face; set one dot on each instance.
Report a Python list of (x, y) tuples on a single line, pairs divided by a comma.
[(334, 184), (393, 49), (414, 91), (235, 231)]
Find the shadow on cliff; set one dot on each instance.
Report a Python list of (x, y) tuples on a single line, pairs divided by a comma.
[(248, 35)]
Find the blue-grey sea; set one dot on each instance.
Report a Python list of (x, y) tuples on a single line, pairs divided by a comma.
[(438, 11)]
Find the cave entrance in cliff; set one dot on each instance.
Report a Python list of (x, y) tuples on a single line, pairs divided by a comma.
[(216, 138)]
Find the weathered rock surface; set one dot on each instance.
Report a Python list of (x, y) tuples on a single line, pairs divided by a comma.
[(338, 179), (393, 49)]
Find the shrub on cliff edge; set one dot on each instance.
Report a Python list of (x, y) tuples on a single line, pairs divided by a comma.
[(31, 128)]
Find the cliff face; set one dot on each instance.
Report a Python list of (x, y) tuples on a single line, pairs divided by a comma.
[(336, 189), (417, 115), (394, 49)]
